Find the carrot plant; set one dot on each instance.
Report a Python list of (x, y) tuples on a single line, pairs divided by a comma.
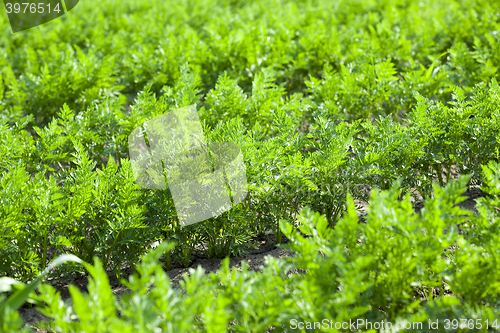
[(379, 271), (328, 101)]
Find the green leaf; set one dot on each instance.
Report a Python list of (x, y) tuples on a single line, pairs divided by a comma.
[(15, 301)]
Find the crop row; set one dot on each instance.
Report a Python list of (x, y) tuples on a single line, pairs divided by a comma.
[(397, 268), (355, 58), (55, 199)]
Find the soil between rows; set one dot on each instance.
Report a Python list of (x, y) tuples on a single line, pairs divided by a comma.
[(255, 258)]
